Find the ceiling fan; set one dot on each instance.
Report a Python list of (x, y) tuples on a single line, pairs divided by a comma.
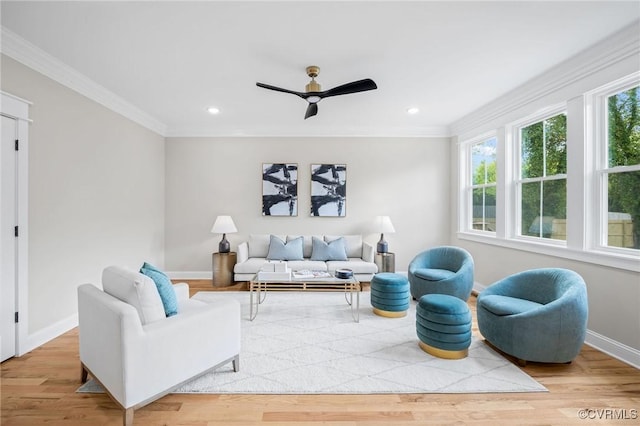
[(314, 93)]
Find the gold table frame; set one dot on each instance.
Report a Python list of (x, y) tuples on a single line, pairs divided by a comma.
[(258, 290)]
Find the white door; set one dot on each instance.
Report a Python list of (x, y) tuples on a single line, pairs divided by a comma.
[(8, 209)]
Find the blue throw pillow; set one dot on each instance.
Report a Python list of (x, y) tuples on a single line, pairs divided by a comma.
[(150, 267), (165, 288), (279, 250), (334, 250)]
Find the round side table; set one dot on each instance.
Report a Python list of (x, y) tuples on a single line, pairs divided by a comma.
[(386, 262), (222, 266)]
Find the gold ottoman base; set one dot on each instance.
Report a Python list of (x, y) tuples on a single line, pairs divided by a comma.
[(390, 314), (441, 353)]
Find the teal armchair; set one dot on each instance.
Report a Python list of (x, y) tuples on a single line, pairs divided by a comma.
[(537, 315), (442, 270)]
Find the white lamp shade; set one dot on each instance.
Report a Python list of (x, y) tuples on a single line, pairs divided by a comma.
[(384, 225), (223, 225)]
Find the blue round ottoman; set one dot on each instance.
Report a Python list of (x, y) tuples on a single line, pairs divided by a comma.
[(443, 325), (390, 295)]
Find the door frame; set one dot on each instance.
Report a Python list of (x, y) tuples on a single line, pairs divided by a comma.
[(18, 109)]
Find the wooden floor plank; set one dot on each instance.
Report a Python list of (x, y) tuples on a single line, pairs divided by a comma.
[(40, 388)]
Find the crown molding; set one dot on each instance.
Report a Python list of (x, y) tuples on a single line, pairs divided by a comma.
[(408, 132), (618, 47), (35, 58)]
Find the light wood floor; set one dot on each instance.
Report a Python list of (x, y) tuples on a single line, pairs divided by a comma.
[(39, 388)]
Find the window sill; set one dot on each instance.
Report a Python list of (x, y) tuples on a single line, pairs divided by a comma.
[(619, 261)]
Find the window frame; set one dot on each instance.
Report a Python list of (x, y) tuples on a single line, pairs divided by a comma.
[(596, 102), (515, 129), (470, 186)]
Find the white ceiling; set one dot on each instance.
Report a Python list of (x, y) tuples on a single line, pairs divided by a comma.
[(174, 59)]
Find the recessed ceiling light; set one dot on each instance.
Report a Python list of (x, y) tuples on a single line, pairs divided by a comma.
[(213, 110), (412, 110)]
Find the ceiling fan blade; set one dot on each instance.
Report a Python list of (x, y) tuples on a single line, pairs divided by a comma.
[(312, 110), (353, 87), (280, 89)]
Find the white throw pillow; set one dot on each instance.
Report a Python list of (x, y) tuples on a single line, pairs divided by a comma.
[(137, 290)]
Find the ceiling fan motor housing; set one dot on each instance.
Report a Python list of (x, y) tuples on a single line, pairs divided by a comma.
[(313, 86)]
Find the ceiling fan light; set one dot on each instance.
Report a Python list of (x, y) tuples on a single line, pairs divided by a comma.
[(313, 99)]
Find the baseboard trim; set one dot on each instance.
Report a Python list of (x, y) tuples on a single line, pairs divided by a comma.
[(189, 275), (613, 348), (47, 334)]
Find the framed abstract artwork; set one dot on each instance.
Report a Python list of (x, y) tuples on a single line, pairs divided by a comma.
[(329, 190), (280, 189)]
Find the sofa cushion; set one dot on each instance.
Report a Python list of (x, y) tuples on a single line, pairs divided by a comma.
[(253, 265), (505, 305), (259, 245), (333, 250), (279, 250), (165, 288), (357, 265), (135, 289), (352, 243), (311, 265)]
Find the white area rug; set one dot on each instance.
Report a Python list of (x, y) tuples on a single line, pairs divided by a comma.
[(308, 343)]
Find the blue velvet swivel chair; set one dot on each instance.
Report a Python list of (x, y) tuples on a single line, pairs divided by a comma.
[(442, 270), (537, 315)]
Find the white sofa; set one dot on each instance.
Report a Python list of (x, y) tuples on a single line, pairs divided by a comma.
[(137, 353), (252, 255)]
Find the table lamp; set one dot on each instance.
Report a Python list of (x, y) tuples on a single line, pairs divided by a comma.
[(223, 225), (383, 225)]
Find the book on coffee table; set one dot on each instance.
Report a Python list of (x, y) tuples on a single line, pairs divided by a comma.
[(306, 273)]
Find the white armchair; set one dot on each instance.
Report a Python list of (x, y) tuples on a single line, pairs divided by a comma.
[(139, 355)]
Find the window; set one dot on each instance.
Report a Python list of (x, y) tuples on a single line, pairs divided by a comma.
[(564, 181), (483, 185), (619, 168), (542, 182)]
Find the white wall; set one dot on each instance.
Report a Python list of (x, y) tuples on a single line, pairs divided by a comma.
[(405, 178), (614, 293), (96, 193)]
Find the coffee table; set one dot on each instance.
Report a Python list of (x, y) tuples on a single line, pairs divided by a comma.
[(258, 290)]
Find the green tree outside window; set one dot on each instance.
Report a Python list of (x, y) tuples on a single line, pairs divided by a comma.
[(483, 158), (543, 166), (623, 185)]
